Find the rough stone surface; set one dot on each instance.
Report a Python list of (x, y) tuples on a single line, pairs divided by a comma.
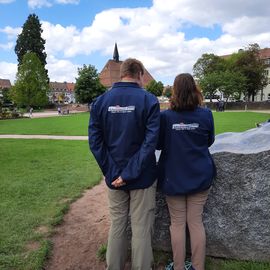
[(237, 213)]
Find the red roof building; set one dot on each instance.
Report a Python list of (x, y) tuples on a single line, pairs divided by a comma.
[(111, 71), (5, 84)]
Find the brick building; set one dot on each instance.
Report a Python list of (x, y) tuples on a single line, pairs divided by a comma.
[(4, 85), (62, 92), (111, 71)]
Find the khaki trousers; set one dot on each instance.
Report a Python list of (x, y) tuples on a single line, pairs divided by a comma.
[(187, 209), (140, 204)]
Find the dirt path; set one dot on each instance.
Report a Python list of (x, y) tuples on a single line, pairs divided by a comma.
[(83, 231)]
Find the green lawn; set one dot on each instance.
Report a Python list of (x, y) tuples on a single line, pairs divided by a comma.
[(237, 121), (39, 179), (74, 124), (77, 124)]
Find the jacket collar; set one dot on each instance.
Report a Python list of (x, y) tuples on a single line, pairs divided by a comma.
[(126, 84)]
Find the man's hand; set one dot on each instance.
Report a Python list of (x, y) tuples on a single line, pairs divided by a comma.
[(119, 182)]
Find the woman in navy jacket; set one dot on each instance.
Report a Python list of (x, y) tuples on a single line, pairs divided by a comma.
[(186, 168)]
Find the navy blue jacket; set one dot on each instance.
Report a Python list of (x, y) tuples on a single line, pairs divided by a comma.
[(123, 134), (185, 165)]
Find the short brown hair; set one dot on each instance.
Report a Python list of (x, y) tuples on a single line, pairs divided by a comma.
[(185, 95), (132, 68)]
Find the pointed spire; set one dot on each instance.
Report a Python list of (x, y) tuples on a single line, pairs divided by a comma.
[(115, 53)]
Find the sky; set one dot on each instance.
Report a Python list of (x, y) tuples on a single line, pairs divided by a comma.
[(168, 36)]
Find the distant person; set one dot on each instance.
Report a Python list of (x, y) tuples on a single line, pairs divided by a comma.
[(59, 110), (186, 168), (123, 133), (31, 112), (221, 105), (263, 123)]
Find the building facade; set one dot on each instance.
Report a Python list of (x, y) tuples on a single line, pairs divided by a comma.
[(265, 93), (4, 85), (111, 71), (61, 93)]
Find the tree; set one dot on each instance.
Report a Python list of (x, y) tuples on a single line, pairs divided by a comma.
[(209, 84), (207, 71), (6, 95), (232, 84), (252, 67), (31, 85), (167, 92), (241, 73), (156, 88), (30, 40), (88, 86), (208, 63)]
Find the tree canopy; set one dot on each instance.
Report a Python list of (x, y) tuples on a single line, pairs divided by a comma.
[(242, 73), (156, 88), (31, 85), (208, 63), (30, 40), (249, 64), (88, 86)]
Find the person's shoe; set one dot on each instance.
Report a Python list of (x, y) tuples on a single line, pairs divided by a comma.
[(188, 266), (169, 266)]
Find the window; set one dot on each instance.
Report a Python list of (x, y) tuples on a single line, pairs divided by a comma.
[(267, 61), (268, 96)]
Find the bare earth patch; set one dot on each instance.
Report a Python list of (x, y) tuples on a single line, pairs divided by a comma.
[(84, 229)]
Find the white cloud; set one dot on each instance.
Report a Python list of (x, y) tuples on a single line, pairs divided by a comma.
[(247, 26), (7, 46), (8, 71), (156, 35), (6, 1), (39, 3), (48, 3), (61, 70), (11, 32)]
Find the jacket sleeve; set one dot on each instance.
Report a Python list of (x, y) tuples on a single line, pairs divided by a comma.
[(99, 149), (211, 138), (143, 156)]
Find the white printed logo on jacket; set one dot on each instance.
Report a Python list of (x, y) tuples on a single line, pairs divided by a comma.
[(183, 126), (119, 109)]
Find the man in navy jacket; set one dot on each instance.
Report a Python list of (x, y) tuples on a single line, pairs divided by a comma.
[(123, 133)]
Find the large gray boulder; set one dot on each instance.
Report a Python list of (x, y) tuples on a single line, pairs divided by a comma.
[(237, 213)]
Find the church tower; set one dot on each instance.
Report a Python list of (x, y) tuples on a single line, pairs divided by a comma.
[(111, 71), (115, 53)]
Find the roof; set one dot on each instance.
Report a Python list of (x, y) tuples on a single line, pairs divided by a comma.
[(70, 86), (4, 83), (111, 74), (265, 53), (62, 86)]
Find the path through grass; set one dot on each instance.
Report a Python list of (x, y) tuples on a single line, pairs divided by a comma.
[(38, 180)]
